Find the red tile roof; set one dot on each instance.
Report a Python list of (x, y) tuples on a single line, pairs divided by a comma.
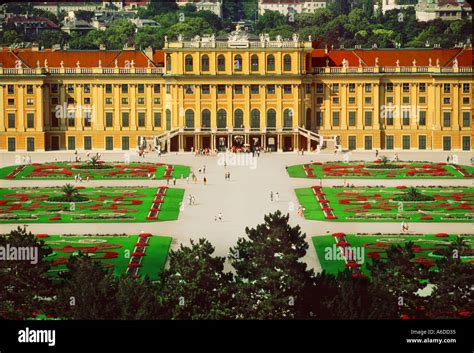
[(8, 58)]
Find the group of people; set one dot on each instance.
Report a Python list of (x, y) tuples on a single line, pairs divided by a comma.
[(404, 227), (26, 159), (301, 210), (78, 178), (227, 175), (191, 200), (172, 179)]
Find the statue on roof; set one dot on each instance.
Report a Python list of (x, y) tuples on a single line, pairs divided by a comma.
[(397, 62), (166, 39), (100, 63), (116, 63), (360, 62), (327, 62), (237, 28), (38, 63), (78, 64), (213, 37), (429, 62), (414, 62), (61, 64), (46, 63), (377, 61), (295, 37), (180, 37), (344, 62), (455, 63), (437, 62), (310, 38), (18, 64)]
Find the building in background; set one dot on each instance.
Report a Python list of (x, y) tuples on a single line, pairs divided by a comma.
[(214, 6), (228, 91), (286, 7)]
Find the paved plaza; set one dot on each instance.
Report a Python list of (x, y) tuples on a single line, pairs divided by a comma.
[(243, 200)]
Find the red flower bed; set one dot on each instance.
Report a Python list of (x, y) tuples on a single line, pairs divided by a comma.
[(54, 218), (134, 265), (401, 187), (373, 255), (138, 254), (441, 235), (426, 218), (144, 235), (342, 243), (42, 235), (340, 234), (344, 202)]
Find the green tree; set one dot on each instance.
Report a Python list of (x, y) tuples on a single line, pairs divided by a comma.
[(270, 20), (195, 286), (24, 283), (47, 38), (70, 192), (271, 281)]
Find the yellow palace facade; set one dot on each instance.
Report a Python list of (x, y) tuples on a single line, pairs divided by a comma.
[(233, 91)]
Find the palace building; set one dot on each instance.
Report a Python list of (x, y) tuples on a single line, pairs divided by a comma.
[(234, 90)]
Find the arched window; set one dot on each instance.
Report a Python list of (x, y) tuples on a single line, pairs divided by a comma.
[(168, 63), (288, 118), (254, 62), (206, 119), (238, 63), (221, 63), (271, 62), (221, 119), (271, 118), (255, 119), (287, 62), (308, 119), (189, 119), (188, 63), (168, 119), (238, 119), (205, 63)]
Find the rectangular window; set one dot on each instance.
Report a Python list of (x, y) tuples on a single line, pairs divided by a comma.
[(124, 88), (389, 87), (352, 100), (406, 100), (446, 100), (389, 117), (287, 89), (465, 100), (108, 100), (368, 87), (406, 142), (447, 119), (335, 100), (29, 89), (220, 89), (422, 142), (421, 99), (125, 119), (205, 89), (270, 89), (140, 88), (368, 118), (352, 87), (308, 88), (238, 89), (157, 100), (446, 143), (188, 89), (109, 143), (124, 101), (71, 143), (168, 89), (352, 118), (466, 143), (54, 101), (11, 120), (319, 100), (389, 142), (319, 88), (406, 117), (406, 87), (141, 119), (109, 119), (422, 88), (335, 118), (11, 89), (30, 144), (11, 144), (87, 118), (422, 118), (11, 101), (70, 88), (54, 88), (87, 88), (108, 88), (156, 88), (335, 88), (466, 88), (368, 100), (29, 101), (368, 142), (157, 119), (30, 120), (87, 143), (466, 119), (447, 88), (71, 118), (352, 142), (125, 143), (390, 100), (141, 100), (254, 89), (54, 120), (319, 118), (87, 100)]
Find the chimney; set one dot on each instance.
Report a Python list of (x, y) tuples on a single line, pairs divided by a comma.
[(102, 47), (149, 52)]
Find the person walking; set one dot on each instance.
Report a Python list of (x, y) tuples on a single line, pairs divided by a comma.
[(376, 153), (204, 180), (174, 181), (271, 195), (447, 159), (190, 199), (204, 169), (277, 196), (193, 200), (167, 181)]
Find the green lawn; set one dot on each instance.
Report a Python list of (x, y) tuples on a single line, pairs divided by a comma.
[(325, 246), (377, 205), (105, 205), (152, 263), (358, 170), (67, 171)]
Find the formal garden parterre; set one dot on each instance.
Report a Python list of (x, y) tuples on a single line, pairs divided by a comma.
[(427, 248), (380, 204), (381, 169), (79, 204), (97, 170), (140, 255)]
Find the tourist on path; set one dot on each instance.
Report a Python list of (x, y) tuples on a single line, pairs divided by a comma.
[(204, 180)]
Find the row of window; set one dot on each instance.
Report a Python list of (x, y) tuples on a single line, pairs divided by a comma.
[(237, 63), (389, 118), (238, 89), (406, 142), (389, 87)]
